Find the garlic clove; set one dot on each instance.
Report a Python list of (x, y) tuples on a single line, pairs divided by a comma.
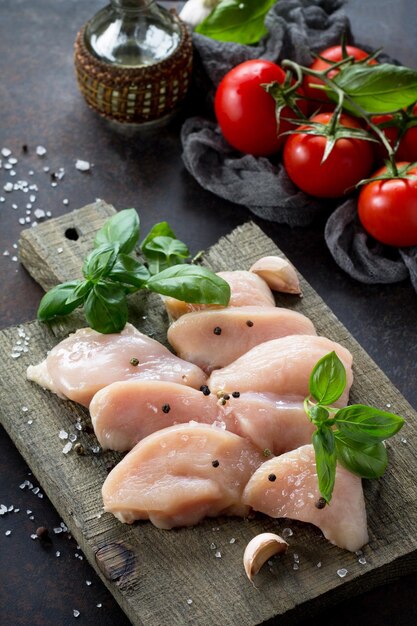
[(278, 273), (259, 550), (195, 11)]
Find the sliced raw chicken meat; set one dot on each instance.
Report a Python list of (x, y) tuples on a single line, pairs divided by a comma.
[(246, 288), (181, 474), (213, 339), (87, 361), (278, 273), (281, 366), (125, 412), (286, 486), (270, 422)]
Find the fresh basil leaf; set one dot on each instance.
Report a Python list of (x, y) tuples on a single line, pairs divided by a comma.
[(377, 88), (162, 229), (106, 308), (318, 414), (80, 292), (325, 451), (100, 261), (365, 460), (168, 247), (54, 302), (191, 283), (122, 228), (129, 271), (367, 424), (328, 379), (241, 21)]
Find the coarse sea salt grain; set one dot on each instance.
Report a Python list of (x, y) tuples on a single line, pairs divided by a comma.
[(57, 553), (287, 532), (82, 166), (218, 554), (342, 572), (8, 187), (6, 152), (189, 601), (8, 532), (76, 613), (67, 448), (40, 150), (63, 434)]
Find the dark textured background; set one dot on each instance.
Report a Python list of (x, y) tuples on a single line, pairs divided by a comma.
[(40, 104)]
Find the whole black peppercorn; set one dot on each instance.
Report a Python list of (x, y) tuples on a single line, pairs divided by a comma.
[(205, 390), (166, 408), (236, 394), (249, 323), (272, 477), (215, 463), (217, 330), (321, 503), (134, 361)]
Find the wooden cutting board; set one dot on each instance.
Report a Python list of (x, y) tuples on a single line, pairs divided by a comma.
[(174, 577)]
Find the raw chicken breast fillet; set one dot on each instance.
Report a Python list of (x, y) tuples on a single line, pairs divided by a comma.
[(213, 339), (246, 288), (281, 366), (125, 412), (181, 474), (270, 422), (294, 492), (87, 361)]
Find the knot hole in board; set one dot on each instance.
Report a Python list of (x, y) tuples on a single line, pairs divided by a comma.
[(72, 234)]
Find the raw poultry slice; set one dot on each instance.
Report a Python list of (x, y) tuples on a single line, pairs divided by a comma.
[(213, 339), (181, 474), (246, 288), (270, 422), (286, 486), (125, 412), (281, 366), (87, 361)]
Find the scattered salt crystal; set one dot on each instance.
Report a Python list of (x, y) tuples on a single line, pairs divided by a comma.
[(40, 495), (65, 528), (218, 554), (95, 449), (296, 558), (6, 253), (403, 440), (189, 601), (48, 214), (40, 150), (73, 437), (8, 532), (14, 259), (31, 422), (78, 426), (6, 152), (287, 532), (46, 169), (60, 250), (29, 205), (25, 409), (213, 546), (23, 485), (319, 564), (99, 605), (8, 187), (82, 166), (58, 530), (57, 553), (342, 572), (362, 560), (27, 220), (296, 566), (65, 201), (2, 199), (233, 540), (31, 172), (54, 184), (388, 405), (33, 187), (32, 198), (63, 434), (3, 509), (10, 509), (7, 166), (14, 206), (12, 173), (88, 583), (13, 160), (33, 536), (32, 517), (15, 246), (35, 490), (60, 173), (75, 613), (67, 448), (28, 511), (39, 214)]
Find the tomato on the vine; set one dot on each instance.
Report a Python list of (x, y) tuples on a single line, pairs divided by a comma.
[(387, 208), (407, 149), (333, 55), (349, 161), (246, 112)]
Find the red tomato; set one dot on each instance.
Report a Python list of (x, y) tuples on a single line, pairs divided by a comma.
[(246, 113), (407, 150), (349, 161), (388, 209), (334, 55)]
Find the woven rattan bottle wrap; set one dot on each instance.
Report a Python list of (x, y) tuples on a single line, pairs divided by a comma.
[(134, 94)]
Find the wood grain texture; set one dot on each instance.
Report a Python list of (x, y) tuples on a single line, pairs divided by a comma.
[(152, 573)]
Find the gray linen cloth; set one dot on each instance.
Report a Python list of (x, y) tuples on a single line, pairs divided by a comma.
[(261, 184)]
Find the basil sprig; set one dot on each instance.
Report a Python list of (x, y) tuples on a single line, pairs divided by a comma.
[(352, 436), (240, 21), (111, 273)]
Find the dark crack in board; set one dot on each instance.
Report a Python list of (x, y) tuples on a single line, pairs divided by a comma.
[(153, 573)]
